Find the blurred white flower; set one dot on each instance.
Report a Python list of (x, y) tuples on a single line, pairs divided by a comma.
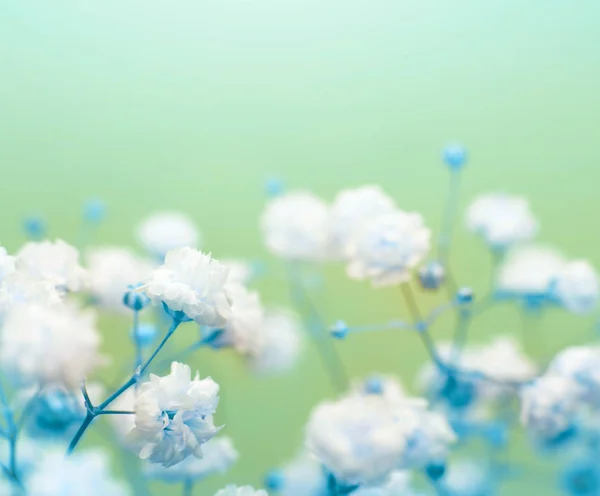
[(581, 364), (173, 416), (577, 286), (303, 476), (399, 483), (530, 270), (359, 439), (243, 329), (502, 220), (54, 262), (193, 283), (429, 440), (111, 271), (387, 247), (240, 271), (296, 226), (82, 473), (49, 344), (549, 405), (466, 478), (166, 231), (351, 208), (219, 455), (281, 342), (19, 288), (7, 264), (241, 491)]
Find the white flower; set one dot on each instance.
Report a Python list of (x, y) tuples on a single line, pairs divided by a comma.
[(398, 484), (7, 264), (111, 271), (82, 473), (577, 286), (19, 288), (296, 226), (351, 208), (243, 329), (530, 270), (173, 416), (466, 478), (303, 476), (429, 440), (359, 439), (240, 271), (502, 220), (549, 405), (49, 344), (218, 457), (387, 247), (281, 342), (55, 262), (582, 365), (166, 231), (241, 491), (193, 283)]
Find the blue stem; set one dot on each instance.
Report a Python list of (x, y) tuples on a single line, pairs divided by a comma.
[(449, 215), (136, 336), (188, 487)]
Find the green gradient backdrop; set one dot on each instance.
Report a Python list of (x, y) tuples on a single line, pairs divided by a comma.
[(192, 104)]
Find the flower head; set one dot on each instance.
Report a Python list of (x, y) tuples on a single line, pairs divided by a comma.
[(111, 271), (502, 220), (43, 344), (303, 476), (173, 416), (193, 283), (387, 247), (351, 208), (218, 457), (581, 364), (296, 227), (577, 287), (83, 473), (54, 262), (166, 231), (7, 264)]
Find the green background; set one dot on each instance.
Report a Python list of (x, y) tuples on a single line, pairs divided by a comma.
[(192, 104)]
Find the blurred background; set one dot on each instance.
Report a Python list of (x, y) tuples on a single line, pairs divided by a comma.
[(193, 105)]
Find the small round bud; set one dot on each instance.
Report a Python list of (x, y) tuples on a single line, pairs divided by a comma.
[(373, 385), (464, 296), (455, 156), (275, 480), (581, 479), (144, 335), (35, 227), (339, 330), (435, 471), (432, 275), (135, 300), (274, 186), (94, 211)]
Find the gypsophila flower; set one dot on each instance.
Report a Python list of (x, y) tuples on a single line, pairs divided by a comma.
[(359, 439), (218, 457), (111, 271), (530, 270), (351, 208), (20, 288), (240, 271), (467, 478), (55, 262), (241, 491), (173, 416), (577, 287), (549, 405), (387, 247), (243, 329), (281, 342), (303, 476), (296, 227), (193, 283), (581, 364), (7, 264), (42, 344), (399, 483), (166, 231), (84, 473), (502, 220)]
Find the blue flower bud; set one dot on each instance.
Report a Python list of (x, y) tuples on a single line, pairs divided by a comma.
[(435, 471), (35, 227), (145, 335), (464, 296), (275, 480), (581, 479), (339, 330), (373, 385), (432, 275), (274, 186), (94, 211), (135, 300), (455, 156)]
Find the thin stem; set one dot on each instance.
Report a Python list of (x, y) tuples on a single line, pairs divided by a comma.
[(115, 412), (172, 329), (82, 428), (460, 333), (136, 336), (86, 397), (188, 487), (445, 237)]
